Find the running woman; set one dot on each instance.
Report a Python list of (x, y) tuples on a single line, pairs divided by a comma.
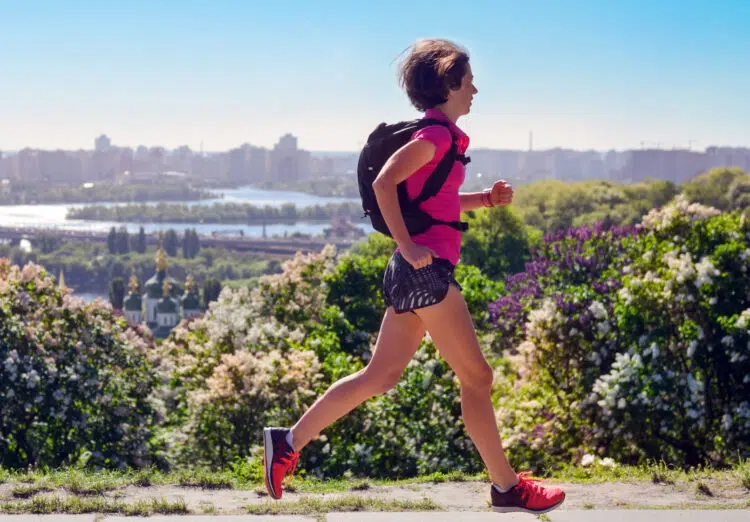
[(419, 288)]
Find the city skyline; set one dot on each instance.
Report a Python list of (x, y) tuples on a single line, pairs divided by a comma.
[(581, 74), (691, 146)]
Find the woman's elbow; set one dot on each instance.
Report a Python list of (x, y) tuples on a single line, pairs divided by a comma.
[(380, 183)]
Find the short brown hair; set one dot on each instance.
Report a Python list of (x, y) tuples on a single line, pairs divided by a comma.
[(432, 68)]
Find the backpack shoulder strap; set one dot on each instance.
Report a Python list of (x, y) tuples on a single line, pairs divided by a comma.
[(437, 178)]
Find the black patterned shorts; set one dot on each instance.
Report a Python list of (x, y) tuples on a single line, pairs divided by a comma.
[(406, 288)]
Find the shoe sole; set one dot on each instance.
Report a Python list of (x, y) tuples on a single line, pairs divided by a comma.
[(511, 509), (267, 461)]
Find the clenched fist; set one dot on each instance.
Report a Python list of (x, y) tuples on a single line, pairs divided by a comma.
[(501, 193)]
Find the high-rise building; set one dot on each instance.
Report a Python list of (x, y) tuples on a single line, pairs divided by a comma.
[(237, 166), (102, 143), (288, 163), (257, 163)]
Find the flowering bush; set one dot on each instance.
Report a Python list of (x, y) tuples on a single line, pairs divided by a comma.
[(75, 380), (245, 392), (414, 429), (680, 387), (630, 343), (240, 366)]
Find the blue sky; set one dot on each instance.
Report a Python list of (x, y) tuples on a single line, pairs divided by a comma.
[(580, 73)]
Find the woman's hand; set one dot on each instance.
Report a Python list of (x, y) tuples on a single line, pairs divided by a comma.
[(501, 193), (418, 256)]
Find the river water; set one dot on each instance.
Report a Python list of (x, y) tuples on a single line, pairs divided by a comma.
[(54, 215)]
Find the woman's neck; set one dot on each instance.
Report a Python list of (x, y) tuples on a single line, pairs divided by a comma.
[(451, 113)]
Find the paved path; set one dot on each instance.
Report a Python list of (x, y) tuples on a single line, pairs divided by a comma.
[(623, 515)]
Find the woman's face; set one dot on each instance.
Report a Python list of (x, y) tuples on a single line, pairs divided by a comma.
[(463, 96)]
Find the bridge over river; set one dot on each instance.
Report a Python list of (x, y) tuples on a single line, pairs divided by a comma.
[(271, 246)]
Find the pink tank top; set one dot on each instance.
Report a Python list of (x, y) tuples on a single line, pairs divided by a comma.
[(446, 204)]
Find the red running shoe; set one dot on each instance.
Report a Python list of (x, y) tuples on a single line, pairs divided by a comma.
[(527, 496), (278, 459)]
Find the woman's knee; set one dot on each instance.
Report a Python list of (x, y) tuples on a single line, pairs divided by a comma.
[(379, 382), (478, 379)]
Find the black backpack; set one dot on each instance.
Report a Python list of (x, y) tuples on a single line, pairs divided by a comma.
[(381, 144)]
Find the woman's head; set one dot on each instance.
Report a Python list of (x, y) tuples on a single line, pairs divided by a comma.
[(436, 73)]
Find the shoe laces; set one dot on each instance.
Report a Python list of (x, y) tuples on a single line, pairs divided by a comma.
[(529, 485), (291, 460), (526, 475)]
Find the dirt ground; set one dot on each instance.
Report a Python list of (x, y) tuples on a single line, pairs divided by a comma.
[(454, 496)]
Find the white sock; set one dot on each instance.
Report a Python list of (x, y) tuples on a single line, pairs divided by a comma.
[(501, 490), (289, 438)]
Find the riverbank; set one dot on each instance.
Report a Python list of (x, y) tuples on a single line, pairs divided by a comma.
[(217, 213), (104, 191), (54, 216)]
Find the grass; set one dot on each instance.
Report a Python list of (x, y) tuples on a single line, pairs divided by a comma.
[(686, 506), (26, 484), (312, 506), (28, 490), (655, 472), (743, 474), (209, 509), (702, 489), (77, 505)]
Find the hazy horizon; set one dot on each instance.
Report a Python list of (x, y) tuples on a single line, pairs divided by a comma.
[(582, 75)]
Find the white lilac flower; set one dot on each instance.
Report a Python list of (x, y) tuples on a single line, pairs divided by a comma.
[(598, 310), (603, 328), (608, 462), (541, 317), (587, 460), (705, 270), (743, 319), (726, 422)]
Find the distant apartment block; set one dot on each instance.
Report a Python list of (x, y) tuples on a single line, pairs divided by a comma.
[(102, 143), (288, 162)]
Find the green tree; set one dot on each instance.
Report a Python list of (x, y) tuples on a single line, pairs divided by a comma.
[(712, 187), (117, 292), (140, 243), (186, 248), (211, 291), (171, 243), (354, 287), (196, 243), (497, 242), (739, 193), (48, 243), (122, 241), (190, 244), (112, 241)]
